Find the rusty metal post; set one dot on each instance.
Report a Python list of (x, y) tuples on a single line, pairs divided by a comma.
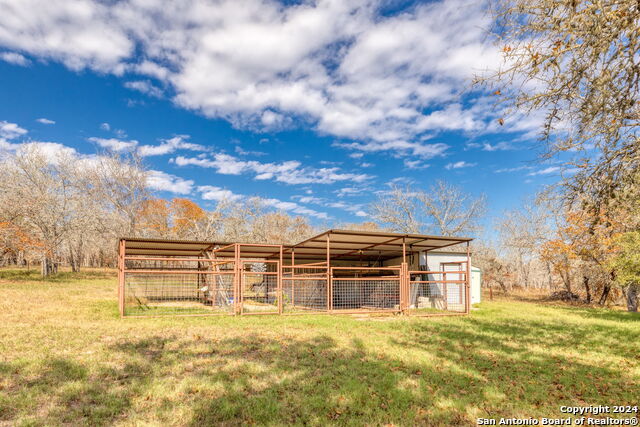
[(404, 250), (468, 281), (280, 293), (121, 250), (329, 276), (404, 279), (445, 288), (404, 287), (293, 274), (237, 281)]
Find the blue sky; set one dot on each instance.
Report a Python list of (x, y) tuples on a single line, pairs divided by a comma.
[(315, 107)]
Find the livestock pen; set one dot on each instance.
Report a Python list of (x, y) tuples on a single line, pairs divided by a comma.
[(334, 272)]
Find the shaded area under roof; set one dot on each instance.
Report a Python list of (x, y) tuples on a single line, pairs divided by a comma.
[(343, 245)]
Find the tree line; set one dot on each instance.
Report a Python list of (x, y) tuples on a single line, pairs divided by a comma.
[(65, 210), (70, 211), (574, 63)]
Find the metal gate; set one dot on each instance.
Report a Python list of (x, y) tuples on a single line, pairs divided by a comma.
[(259, 287), (365, 289)]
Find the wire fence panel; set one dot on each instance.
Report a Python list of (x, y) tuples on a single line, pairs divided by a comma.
[(170, 286), (431, 293), (219, 292), (259, 287), (456, 297), (304, 289), (161, 293), (365, 294), (304, 295)]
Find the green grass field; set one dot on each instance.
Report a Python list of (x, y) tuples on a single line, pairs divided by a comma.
[(67, 358)]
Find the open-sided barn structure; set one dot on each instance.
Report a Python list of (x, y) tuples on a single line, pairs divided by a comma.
[(337, 271)]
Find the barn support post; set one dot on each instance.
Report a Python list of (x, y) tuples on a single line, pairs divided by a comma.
[(445, 288), (236, 281), (329, 275), (293, 275), (468, 282), (121, 247), (404, 280), (280, 293)]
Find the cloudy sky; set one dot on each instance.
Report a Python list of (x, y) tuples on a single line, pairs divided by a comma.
[(313, 106)]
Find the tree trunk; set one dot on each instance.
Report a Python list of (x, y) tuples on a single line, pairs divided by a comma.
[(605, 294), (75, 264), (549, 276), (566, 279), (48, 266), (632, 297), (585, 281), (503, 285)]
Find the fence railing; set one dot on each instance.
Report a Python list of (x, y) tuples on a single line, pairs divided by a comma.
[(198, 286)]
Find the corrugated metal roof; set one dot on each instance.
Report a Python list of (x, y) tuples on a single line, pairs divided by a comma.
[(343, 244)]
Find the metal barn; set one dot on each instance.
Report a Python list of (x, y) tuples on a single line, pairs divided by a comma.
[(335, 272)]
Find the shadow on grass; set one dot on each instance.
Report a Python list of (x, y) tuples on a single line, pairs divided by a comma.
[(257, 380), (66, 392), (444, 373), (604, 314)]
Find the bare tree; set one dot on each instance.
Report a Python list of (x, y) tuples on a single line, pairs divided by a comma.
[(398, 210), (359, 226), (451, 211), (119, 185), (521, 233), (38, 194), (495, 268), (444, 209)]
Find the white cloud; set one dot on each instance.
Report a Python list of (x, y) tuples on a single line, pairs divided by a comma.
[(80, 33), (105, 126), (353, 208), (387, 83), (289, 172), (348, 191), (45, 121), (459, 165), (144, 86), (239, 150), (514, 169), (546, 171), (500, 146), (10, 130), (486, 146), (167, 146), (309, 199), (51, 150), (14, 58), (399, 147), (210, 192), (295, 208), (114, 144), (163, 181), (415, 164)]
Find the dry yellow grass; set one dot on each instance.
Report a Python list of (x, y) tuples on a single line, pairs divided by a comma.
[(67, 358)]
